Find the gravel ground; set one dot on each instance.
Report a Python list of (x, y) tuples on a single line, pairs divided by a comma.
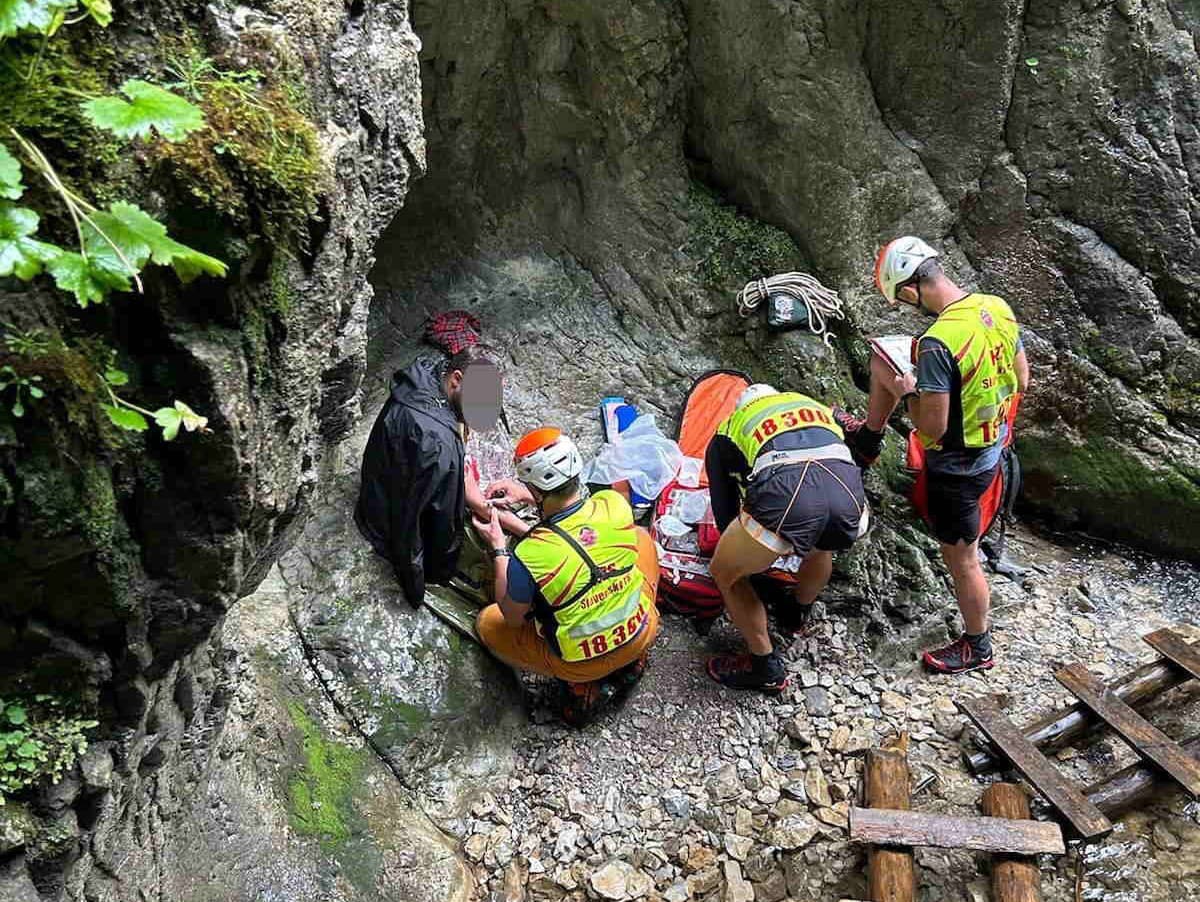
[(691, 791)]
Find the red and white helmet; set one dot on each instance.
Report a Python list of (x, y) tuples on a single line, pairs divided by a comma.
[(546, 459), (898, 261)]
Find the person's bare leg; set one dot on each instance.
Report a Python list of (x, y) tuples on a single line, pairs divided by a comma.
[(739, 556), (970, 585), (881, 401), (813, 576)]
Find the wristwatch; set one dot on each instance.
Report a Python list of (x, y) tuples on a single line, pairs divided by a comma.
[(499, 552)]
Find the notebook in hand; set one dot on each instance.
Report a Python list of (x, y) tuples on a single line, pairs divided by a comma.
[(896, 350)]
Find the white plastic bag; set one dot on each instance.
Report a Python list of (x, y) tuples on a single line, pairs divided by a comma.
[(689, 473), (644, 456)]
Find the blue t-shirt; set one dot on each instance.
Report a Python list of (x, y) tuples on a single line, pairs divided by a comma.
[(521, 585), (936, 372)]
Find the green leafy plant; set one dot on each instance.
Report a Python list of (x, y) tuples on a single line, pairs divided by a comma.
[(130, 416), (114, 244), (148, 108), (9, 378), (27, 342), (46, 17), (195, 75), (10, 176), (40, 739)]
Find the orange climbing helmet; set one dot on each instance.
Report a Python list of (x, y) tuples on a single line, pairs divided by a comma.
[(546, 459)]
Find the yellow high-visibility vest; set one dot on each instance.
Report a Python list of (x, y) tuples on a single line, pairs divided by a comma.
[(585, 567), (752, 426), (981, 334)]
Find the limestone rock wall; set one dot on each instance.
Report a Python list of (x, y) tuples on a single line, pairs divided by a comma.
[(1047, 147), (121, 559)]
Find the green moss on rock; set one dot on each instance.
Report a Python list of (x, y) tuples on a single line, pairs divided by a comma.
[(1101, 486), (322, 791), (733, 248), (43, 85), (257, 161)]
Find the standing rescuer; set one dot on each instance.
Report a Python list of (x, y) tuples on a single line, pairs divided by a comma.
[(970, 369), (575, 597), (782, 482)]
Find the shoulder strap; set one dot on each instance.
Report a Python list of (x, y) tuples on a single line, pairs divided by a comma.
[(593, 570)]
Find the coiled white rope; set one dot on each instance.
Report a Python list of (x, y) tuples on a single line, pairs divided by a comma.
[(823, 303)]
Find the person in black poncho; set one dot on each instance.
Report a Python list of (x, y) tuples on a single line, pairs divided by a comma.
[(413, 497)]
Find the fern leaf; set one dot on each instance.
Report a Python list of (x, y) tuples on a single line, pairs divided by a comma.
[(149, 108)]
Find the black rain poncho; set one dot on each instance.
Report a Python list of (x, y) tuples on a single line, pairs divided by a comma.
[(412, 500)]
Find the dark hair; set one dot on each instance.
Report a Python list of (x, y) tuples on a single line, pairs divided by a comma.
[(476, 353), (927, 269), (564, 491)]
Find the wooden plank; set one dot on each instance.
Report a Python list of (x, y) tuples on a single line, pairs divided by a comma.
[(983, 834), (1063, 727), (1135, 785), (1170, 644), (1084, 817), (1015, 878), (891, 873), (1145, 738)]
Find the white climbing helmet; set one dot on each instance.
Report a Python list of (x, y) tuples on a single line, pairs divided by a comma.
[(898, 261), (752, 393), (546, 459)]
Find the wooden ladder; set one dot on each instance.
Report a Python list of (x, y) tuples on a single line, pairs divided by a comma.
[(1111, 705)]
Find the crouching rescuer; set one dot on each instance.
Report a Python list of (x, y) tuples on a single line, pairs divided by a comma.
[(575, 596), (782, 483)]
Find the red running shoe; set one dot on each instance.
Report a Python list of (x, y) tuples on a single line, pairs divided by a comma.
[(960, 656)]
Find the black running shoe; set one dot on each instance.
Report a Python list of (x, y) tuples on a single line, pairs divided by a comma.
[(797, 619), (737, 672), (960, 656), (581, 702), (864, 444)]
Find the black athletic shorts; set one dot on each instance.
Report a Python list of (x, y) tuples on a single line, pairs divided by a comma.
[(954, 505), (825, 513)]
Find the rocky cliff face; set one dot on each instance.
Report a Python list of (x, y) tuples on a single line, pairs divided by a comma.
[(121, 557), (1049, 150)]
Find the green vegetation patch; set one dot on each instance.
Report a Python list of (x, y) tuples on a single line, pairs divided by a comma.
[(322, 791), (257, 160), (1100, 485), (40, 739), (734, 248), (42, 86)]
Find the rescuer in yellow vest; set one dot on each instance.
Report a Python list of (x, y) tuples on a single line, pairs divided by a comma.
[(782, 482), (970, 368), (575, 596)]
